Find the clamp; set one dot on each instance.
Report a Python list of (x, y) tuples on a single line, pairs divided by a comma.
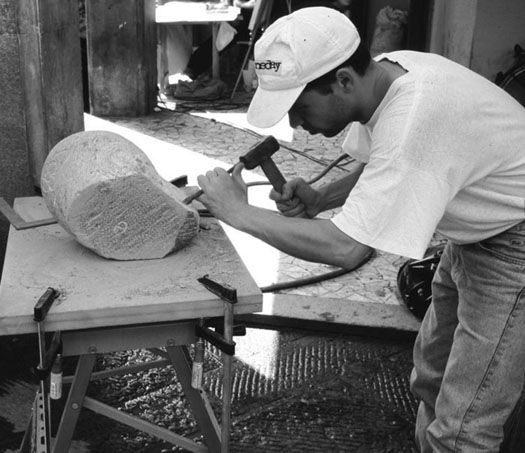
[(224, 341), (38, 436)]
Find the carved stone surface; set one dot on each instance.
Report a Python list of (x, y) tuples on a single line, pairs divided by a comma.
[(105, 192)]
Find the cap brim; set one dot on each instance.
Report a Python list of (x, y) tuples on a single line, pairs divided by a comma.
[(269, 107)]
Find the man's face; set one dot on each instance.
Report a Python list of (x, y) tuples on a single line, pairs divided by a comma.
[(319, 113)]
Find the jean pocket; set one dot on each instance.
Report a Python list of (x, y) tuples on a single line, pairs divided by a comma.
[(510, 248)]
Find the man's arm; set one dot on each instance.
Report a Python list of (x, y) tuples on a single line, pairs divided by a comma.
[(298, 199), (314, 240)]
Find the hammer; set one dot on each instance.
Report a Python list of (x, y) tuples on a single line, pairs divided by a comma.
[(260, 154)]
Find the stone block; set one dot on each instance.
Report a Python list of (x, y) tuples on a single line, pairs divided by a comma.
[(105, 192)]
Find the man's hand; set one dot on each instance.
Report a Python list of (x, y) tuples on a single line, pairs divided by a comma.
[(298, 199), (223, 194)]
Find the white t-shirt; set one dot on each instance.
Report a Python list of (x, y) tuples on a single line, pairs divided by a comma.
[(444, 151)]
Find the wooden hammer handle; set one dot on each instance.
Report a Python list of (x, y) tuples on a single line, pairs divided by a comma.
[(273, 174)]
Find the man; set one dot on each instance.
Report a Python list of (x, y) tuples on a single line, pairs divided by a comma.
[(441, 149)]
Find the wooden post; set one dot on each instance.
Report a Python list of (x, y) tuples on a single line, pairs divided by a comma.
[(453, 28), (51, 65), (122, 57), (40, 90), (14, 159)]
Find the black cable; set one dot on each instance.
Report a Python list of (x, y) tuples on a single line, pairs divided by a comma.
[(331, 165), (316, 178), (313, 279), (303, 281)]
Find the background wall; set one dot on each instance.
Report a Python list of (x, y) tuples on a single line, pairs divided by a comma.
[(480, 34), (499, 26)]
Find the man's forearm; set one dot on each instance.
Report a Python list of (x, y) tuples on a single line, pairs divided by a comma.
[(311, 240)]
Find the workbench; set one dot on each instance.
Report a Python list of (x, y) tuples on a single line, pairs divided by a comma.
[(107, 305)]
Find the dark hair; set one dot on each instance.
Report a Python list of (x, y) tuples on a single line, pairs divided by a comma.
[(359, 61)]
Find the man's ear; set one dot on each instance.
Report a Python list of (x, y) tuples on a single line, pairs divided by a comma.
[(345, 78)]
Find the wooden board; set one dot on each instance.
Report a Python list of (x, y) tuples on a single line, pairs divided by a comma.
[(97, 292), (296, 310)]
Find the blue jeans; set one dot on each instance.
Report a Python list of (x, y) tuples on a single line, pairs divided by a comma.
[(469, 356)]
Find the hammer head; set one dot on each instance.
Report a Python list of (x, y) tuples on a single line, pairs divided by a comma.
[(259, 153)]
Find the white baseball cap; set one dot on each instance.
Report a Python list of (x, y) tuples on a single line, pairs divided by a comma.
[(295, 50)]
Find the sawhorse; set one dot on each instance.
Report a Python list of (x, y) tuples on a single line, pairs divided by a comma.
[(174, 337)]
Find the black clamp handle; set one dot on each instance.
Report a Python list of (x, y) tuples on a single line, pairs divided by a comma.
[(216, 339), (55, 348), (223, 290), (44, 304), (40, 312), (228, 295)]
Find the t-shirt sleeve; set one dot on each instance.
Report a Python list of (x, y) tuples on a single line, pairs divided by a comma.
[(394, 207), (357, 143)]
